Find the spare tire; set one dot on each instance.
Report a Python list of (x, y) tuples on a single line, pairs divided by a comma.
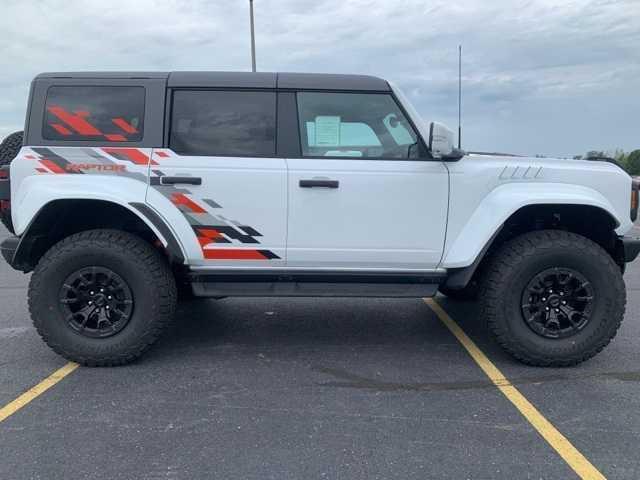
[(9, 149)]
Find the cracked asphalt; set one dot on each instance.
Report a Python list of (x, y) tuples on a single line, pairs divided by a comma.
[(312, 388)]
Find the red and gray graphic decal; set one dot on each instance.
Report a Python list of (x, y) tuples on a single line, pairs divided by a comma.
[(75, 161), (78, 123), (213, 230)]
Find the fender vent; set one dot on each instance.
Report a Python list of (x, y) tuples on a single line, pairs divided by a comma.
[(511, 172)]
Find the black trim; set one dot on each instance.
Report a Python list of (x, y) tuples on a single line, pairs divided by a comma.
[(172, 244), (103, 75), (8, 248), (328, 81), (459, 277), (334, 276), (308, 289), (5, 186), (167, 180), (256, 283), (635, 190), (322, 81), (630, 247), (287, 134), (222, 79), (319, 183), (430, 140)]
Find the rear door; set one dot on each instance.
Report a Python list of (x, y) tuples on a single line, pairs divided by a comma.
[(363, 193), (219, 183)]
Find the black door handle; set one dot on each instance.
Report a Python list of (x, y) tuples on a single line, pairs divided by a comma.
[(175, 180), (319, 183)]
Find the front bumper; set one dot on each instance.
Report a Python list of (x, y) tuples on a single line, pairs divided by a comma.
[(630, 248), (8, 248)]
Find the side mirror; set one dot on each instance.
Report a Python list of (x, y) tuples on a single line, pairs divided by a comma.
[(441, 143)]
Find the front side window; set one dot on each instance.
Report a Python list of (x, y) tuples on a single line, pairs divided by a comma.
[(96, 113), (223, 123), (359, 125)]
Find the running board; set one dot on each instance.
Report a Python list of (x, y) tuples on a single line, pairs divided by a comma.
[(314, 284)]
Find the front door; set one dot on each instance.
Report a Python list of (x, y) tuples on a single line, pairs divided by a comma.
[(362, 195), (219, 184)]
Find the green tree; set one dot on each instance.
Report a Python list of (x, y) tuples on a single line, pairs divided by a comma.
[(633, 163)]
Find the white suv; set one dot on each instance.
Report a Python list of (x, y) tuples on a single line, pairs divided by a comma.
[(127, 189)]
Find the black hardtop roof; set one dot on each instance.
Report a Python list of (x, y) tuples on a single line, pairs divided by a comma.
[(204, 79)]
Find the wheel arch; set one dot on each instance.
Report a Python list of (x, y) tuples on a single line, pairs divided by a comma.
[(469, 233), (61, 218), (591, 221)]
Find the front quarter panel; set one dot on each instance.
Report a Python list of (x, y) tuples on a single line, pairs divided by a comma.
[(486, 190)]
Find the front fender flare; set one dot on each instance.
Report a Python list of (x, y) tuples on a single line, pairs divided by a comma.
[(504, 201)]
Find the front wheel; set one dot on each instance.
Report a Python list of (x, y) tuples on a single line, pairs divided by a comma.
[(552, 298), (101, 297)]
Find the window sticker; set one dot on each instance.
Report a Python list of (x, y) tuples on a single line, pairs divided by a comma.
[(327, 131)]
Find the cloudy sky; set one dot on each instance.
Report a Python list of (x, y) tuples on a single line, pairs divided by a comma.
[(553, 77)]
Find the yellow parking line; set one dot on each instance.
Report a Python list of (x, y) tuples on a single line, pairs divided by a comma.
[(559, 442), (35, 392)]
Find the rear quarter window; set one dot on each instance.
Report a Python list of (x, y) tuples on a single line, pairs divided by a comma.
[(94, 113)]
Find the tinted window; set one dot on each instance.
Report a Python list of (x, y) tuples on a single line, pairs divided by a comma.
[(359, 125), (105, 114), (223, 123)]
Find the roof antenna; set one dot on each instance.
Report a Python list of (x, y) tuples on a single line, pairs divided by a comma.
[(460, 96), (253, 38)]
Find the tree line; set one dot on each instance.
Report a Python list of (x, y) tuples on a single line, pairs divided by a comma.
[(629, 161)]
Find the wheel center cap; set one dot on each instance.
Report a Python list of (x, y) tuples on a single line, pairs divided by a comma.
[(100, 300), (554, 301)]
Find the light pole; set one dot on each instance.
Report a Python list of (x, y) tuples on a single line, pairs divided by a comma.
[(459, 96), (253, 39)]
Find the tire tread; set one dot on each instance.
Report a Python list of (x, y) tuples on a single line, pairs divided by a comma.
[(528, 246)]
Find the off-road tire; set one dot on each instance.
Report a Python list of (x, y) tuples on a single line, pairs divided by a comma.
[(467, 294), (9, 149), (141, 266), (518, 261)]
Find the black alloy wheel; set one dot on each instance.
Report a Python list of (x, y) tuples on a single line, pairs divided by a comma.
[(558, 303), (96, 302)]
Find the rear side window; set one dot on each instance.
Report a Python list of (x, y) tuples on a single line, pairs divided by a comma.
[(359, 125), (106, 114), (223, 123)]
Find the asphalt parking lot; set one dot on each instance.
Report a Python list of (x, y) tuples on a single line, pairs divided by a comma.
[(311, 388)]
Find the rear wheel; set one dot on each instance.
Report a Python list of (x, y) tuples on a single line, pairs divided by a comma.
[(101, 297), (552, 298)]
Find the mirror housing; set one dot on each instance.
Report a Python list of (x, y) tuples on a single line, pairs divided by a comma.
[(441, 143)]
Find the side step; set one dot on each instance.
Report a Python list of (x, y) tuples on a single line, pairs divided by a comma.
[(314, 284)]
